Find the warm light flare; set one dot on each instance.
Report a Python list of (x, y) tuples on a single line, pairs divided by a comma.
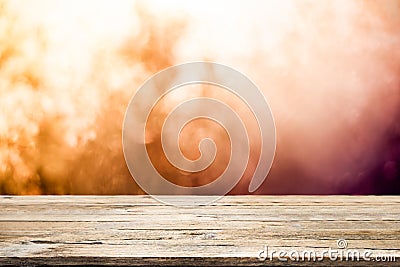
[(330, 71)]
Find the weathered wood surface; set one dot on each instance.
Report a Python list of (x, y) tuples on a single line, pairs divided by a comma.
[(137, 230)]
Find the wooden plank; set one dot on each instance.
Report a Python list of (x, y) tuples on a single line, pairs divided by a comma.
[(137, 230)]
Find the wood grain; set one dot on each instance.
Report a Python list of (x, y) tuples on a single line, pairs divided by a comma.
[(137, 230)]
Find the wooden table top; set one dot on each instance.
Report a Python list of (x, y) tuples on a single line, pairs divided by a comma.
[(236, 230)]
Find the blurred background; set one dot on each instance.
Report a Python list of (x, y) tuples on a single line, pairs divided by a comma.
[(330, 71)]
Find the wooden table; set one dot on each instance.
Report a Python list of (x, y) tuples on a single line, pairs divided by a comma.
[(137, 230)]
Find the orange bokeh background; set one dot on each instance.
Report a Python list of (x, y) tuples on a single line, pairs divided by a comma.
[(330, 71)]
